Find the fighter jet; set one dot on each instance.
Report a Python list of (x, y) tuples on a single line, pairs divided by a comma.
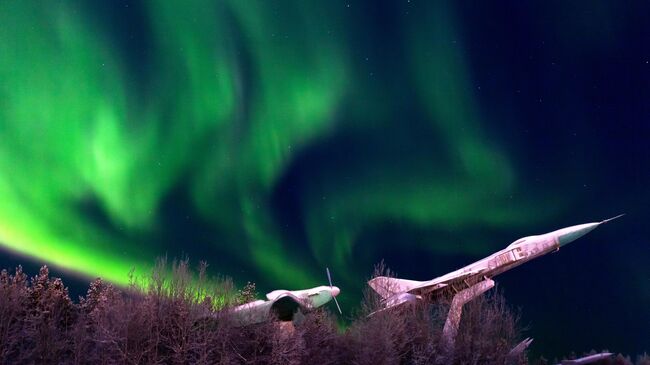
[(478, 275), (473, 280), (286, 305)]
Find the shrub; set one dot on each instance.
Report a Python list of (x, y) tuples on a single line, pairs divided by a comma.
[(411, 334), (177, 317)]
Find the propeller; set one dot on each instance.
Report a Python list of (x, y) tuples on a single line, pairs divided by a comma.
[(329, 277)]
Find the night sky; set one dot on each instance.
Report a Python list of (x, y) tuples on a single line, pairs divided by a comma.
[(275, 138)]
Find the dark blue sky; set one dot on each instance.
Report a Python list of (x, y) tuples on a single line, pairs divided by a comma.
[(275, 138)]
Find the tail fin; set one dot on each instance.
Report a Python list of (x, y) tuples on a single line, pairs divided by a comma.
[(385, 286)]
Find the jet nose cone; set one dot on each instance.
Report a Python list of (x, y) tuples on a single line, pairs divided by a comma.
[(335, 291), (570, 234)]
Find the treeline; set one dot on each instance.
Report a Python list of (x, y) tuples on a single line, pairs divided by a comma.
[(180, 318)]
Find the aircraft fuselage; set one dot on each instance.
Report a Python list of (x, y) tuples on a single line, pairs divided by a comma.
[(517, 253)]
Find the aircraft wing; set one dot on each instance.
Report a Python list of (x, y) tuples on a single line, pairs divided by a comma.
[(252, 312), (397, 292), (387, 287), (286, 305), (428, 287), (282, 307)]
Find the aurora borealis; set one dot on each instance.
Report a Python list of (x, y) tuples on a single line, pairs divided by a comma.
[(275, 138)]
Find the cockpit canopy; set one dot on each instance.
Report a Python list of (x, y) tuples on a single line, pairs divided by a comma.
[(519, 241)]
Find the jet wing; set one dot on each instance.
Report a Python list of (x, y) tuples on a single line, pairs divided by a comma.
[(387, 287), (396, 300), (428, 287)]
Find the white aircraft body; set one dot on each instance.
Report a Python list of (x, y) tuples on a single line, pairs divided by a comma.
[(284, 305), (475, 278)]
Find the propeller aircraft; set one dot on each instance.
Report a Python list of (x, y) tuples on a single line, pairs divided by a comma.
[(286, 305)]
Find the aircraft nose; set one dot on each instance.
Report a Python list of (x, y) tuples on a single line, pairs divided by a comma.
[(570, 234), (335, 291)]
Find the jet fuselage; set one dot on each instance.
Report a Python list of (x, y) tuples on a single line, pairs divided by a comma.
[(517, 253)]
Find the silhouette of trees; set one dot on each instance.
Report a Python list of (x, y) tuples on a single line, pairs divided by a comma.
[(176, 316)]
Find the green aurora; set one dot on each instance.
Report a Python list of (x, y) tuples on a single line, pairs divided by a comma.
[(228, 96), (276, 138)]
